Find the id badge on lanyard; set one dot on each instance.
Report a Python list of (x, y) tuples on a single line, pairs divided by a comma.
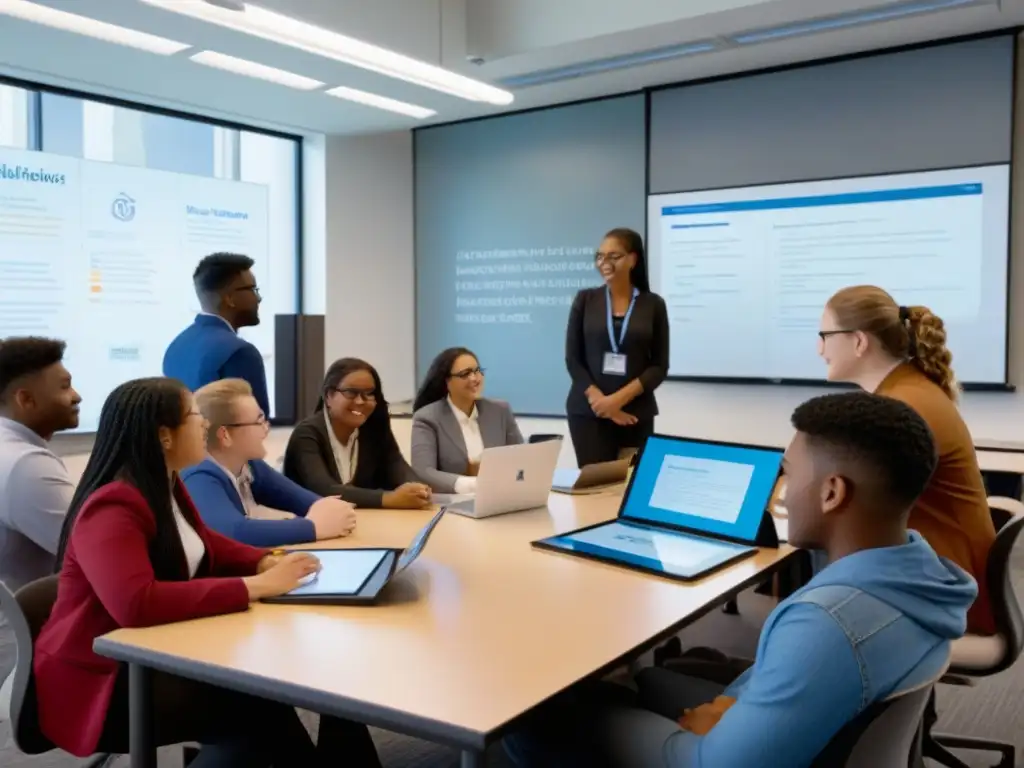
[(615, 361)]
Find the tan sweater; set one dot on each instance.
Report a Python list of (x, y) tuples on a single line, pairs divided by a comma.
[(952, 514)]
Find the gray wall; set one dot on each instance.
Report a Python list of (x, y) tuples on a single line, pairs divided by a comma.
[(509, 212), (926, 109)]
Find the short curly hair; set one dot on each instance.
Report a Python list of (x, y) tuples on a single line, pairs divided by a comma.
[(22, 356), (887, 436)]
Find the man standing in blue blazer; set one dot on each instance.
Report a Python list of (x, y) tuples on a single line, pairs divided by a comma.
[(210, 349), (234, 481)]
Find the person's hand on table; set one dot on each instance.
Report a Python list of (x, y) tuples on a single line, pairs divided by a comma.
[(408, 496), (280, 573), (332, 518), (700, 720)]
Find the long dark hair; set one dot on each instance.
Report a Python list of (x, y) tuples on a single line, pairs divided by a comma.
[(378, 424), (632, 243), (435, 383), (128, 448)]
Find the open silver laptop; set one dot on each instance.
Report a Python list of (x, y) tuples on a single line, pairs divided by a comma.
[(512, 478), (592, 477)]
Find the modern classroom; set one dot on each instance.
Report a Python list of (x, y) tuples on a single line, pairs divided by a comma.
[(409, 177)]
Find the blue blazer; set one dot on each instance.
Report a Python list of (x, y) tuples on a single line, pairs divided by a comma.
[(220, 506), (209, 350)]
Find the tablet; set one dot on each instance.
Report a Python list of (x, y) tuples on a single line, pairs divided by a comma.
[(660, 551), (346, 576)]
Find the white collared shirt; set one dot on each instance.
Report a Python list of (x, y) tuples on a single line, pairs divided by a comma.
[(243, 485), (471, 436), (191, 542), (346, 456)]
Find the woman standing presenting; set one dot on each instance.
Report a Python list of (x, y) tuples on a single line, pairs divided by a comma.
[(616, 350)]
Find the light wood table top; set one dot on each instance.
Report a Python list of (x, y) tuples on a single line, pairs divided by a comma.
[(481, 629)]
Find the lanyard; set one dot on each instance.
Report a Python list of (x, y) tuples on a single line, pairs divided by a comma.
[(625, 320)]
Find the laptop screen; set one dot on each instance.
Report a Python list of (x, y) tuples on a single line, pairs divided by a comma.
[(715, 488)]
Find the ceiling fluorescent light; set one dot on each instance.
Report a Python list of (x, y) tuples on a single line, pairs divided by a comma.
[(252, 69), (380, 102), (890, 13), (285, 30), (83, 25), (558, 74)]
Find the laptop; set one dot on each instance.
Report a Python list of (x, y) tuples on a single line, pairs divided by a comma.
[(356, 576), (592, 477), (512, 478), (691, 507)]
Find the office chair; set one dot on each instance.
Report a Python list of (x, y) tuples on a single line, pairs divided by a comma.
[(885, 735), (975, 656), (26, 612)]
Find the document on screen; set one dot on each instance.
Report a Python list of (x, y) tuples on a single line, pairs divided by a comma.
[(706, 488)]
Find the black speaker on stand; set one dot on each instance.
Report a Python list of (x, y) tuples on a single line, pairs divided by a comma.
[(298, 366)]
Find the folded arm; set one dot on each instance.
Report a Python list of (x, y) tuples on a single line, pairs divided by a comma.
[(113, 551), (221, 513), (806, 686)]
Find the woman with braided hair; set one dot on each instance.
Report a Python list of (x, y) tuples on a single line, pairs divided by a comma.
[(867, 339)]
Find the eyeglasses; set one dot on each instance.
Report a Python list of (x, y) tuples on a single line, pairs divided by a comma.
[(261, 421), (368, 395), (253, 288), (612, 257), (823, 335), (467, 373)]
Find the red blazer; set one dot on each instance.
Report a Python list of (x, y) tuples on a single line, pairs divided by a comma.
[(107, 582)]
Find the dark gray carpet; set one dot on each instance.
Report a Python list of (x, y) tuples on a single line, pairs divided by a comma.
[(993, 709)]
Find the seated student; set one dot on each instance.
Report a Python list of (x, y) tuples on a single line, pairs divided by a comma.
[(347, 448), (877, 620), (233, 479), (36, 400), (867, 339), (452, 423), (134, 553)]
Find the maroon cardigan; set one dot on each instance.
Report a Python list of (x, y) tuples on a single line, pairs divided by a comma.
[(107, 582)]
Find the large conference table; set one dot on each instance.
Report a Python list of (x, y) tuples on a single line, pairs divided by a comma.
[(481, 630)]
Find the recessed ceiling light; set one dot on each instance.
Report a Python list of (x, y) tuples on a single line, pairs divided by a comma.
[(380, 102), (252, 69), (278, 28), (83, 25)]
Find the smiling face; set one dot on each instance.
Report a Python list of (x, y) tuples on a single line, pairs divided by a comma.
[(247, 431), (466, 378), (613, 261), (841, 348), (353, 400), (812, 493)]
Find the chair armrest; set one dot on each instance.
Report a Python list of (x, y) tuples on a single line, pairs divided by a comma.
[(1006, 504)]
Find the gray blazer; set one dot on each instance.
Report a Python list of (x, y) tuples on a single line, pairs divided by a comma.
[(438, 449)]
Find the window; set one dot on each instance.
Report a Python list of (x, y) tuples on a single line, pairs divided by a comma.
[(122, 203), (14, 117)]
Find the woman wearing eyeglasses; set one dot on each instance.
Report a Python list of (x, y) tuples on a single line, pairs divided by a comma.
[(452, 422), (346, 448), (616, 350), (231, 485)]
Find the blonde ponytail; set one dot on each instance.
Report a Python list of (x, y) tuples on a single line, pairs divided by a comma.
[(929, 351)]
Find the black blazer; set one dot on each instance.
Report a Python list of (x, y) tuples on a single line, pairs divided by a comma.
[(645, 347), (309, 461)]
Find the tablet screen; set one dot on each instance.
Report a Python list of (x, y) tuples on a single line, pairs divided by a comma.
[(714, 487), (675, 554), (342, 572)]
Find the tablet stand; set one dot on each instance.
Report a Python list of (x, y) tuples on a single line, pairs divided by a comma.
[(767, 535)]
